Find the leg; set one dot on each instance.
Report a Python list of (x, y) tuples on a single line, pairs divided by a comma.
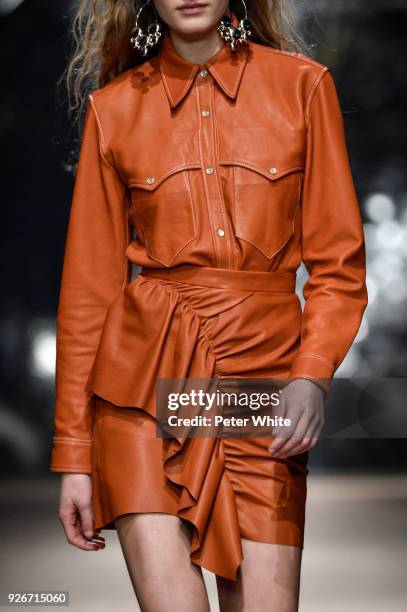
[(268, 580), (156, 550)]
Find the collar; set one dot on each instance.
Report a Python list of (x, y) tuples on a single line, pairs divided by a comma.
[(177, 73)]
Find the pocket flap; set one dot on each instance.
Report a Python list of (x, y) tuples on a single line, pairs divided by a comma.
[(271, 170), (152, 177)]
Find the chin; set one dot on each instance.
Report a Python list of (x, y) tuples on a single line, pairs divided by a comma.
[(186, 27)]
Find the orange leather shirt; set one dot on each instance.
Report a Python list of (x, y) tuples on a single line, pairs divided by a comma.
[(239, 163)]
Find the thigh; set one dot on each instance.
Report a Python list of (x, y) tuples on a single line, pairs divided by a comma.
[(268, 580), (156, 548)]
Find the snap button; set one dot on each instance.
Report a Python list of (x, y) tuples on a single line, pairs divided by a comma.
[(204, 73), (221, 232), (209, 170), (273, 170), (150, 180), (205, 113)]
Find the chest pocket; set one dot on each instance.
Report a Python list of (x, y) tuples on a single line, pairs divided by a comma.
[(163, 210), (266, 199)]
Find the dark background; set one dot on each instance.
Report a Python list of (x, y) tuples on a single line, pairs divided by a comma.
[(364, 44)]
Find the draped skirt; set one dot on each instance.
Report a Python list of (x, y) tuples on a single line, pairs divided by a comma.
[(196, 322)]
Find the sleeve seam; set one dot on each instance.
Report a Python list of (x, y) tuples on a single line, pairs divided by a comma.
[(311, 95), (73, 441), (102, 146), (315, 356), (80, 469), (102, 140)]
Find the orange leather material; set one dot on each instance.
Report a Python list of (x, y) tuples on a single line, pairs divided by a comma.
[(171, 328), (222, 278), (238, 164), (227, 488)]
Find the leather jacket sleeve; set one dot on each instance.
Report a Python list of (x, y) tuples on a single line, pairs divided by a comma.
[(333, 247), (94, 270)]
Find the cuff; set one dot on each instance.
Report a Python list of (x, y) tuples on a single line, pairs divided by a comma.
[(71, 455), (313, 367)]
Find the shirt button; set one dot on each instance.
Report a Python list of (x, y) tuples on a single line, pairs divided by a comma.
[(204, 73), (150, 180), (273, 170), (205, 113), (209, 170), (221, 232)]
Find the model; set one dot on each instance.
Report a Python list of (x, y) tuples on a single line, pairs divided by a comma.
[(213, 156)]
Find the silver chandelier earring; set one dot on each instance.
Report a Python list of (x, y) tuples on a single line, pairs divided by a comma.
[(235, 37), (144, 39)]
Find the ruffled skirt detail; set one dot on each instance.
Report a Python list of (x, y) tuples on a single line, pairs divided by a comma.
[(226, 488)]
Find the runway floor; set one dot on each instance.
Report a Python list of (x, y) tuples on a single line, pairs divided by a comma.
[(355, 555)]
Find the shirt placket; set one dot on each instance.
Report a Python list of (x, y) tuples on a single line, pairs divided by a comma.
[(210, 169)]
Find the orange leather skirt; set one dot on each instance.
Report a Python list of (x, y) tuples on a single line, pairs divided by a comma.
[(226, 488)]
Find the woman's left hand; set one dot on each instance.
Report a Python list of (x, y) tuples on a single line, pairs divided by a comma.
[(303, 403)]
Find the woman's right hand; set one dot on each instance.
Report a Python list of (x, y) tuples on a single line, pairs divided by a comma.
[(75, 512)]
